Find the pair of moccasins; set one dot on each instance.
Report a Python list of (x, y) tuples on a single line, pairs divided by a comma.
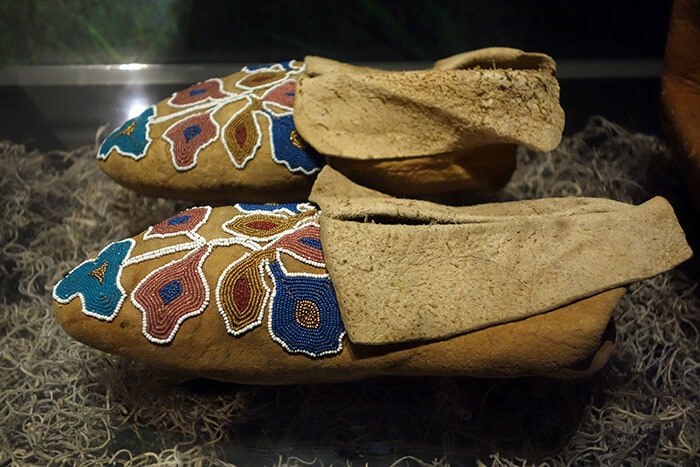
[(347, 275)]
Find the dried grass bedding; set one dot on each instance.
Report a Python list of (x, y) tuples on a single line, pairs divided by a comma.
[(64, 403)]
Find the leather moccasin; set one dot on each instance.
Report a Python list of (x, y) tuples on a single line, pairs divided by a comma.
[(370, 285), (451, 128)]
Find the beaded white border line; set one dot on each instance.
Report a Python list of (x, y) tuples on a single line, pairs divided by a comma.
[(171, 143), (164, 251), (277, 339), (274, 68), (282, 249), (208, 99), (183, 318), (199, 242), (229, 241), (149, 140), (148, 235), (220, 307), (281, 213), (79, 294), (302, 207)]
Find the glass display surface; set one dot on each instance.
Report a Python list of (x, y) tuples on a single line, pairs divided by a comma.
[(193, 31)]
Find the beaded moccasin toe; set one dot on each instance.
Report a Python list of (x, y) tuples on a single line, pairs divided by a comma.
[(222, 139), (286, 293), (454, 127)]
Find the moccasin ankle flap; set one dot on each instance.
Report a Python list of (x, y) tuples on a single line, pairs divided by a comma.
[(452, 270), (399, 130)]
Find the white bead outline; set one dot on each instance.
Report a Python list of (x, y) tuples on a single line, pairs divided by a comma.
[(261, 312), (183, 318), (148, 235), (272, 334), (81, 295)]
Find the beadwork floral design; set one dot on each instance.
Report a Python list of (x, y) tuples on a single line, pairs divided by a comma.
[(97, 282), (171, 294), (301, 307), (260, 227), (290, 149), (187, 221), (304, 315), (188, 137), (269, 66), (131, 139), (209, 90), (267, 95), (242, 294), (304, 244)]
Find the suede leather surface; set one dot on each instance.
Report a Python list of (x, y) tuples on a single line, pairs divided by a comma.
[(452, 128), (453, 270), (356, 114)]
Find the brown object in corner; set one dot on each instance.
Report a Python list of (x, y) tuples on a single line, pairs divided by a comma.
[(680, 90)]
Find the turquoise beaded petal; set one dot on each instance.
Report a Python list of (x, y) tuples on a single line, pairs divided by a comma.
[(97, 282), (131, 139)]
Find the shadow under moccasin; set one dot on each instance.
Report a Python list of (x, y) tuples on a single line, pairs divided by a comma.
[(469, 170), (256, 294), (400, 131)]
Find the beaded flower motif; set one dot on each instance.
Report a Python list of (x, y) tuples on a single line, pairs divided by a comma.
[(131, 139), (97, 282), (266, 93), (301, 306)]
